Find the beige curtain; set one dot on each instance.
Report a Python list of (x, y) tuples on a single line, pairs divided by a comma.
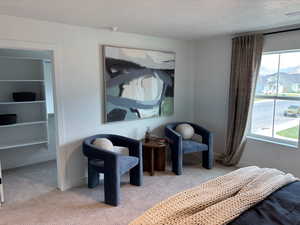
[(245, 63)]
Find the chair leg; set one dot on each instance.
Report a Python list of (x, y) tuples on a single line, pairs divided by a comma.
[(112, 188), (93, 177), (207, 159), (136, 174), (177, 163)]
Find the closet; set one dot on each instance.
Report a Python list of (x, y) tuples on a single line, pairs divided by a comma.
[(27, 123), (22, 77)]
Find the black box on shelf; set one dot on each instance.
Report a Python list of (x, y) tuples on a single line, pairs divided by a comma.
[(7, 119), (24, 96)]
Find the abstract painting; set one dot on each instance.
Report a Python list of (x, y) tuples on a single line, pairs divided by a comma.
[(138, 83)]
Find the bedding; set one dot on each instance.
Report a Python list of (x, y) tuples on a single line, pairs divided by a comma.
[(218, 201), (281, 208)]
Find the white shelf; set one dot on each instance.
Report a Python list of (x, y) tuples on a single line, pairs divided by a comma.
[(32, 127), (23, 124), (18, 145), (31, 131), (21, 80), (15, 103)]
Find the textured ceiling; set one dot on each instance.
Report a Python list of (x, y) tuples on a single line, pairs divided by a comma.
[(180, 19)]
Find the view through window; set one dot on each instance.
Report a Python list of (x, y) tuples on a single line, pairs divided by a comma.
[(276, 108)]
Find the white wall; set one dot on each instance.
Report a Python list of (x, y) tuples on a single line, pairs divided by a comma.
[(211, 86), (79, 82), (48, 74), (211, 99)]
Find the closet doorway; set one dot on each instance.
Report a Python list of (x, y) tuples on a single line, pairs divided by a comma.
[(28, 127)]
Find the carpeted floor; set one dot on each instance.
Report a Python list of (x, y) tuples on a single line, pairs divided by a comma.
[(83, 206), (28, 182)]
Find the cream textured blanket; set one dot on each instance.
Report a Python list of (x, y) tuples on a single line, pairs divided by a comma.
[(217, 201)]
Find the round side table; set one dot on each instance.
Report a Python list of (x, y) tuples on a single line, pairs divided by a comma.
[(154, 155)]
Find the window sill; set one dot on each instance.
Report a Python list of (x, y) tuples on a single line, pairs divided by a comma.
[(274, 141)]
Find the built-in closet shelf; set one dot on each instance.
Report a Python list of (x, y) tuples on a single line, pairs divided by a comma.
[(24, 144), (16, 103), (22, 81), (31, 129), (24, 124)]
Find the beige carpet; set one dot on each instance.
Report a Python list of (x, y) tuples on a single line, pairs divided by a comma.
[(83, 206), (28, 182)]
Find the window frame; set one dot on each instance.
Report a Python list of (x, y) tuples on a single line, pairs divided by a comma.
[(288, 143)]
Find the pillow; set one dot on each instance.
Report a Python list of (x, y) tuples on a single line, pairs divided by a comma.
[(104, 143), (197, 138), (185, 130), (121, 150)]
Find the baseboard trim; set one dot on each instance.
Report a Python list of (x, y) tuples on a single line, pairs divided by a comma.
[(74, 183), (218, 155)]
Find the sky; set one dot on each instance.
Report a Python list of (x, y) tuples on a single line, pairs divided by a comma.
[(269, 63)]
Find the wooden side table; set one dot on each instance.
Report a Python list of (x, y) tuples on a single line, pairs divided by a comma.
[(154, 155)]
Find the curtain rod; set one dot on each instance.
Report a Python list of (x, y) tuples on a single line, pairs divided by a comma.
[(282, 31)]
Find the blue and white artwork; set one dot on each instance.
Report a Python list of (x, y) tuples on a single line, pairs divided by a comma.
[(138, 83)]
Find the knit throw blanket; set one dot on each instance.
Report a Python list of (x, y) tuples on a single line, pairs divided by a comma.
[(217, 201)]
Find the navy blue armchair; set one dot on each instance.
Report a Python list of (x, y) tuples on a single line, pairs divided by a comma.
[(180, 146), (113, 165)]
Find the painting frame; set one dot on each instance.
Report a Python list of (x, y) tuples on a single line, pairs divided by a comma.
[(170, 86)]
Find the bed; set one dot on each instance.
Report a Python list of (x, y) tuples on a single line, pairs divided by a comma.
[(247, 196), (281, 207)]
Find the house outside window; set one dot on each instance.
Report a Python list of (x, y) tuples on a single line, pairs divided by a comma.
[(276, 107)]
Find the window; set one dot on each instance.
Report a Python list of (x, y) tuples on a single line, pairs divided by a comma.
[(276, 108)]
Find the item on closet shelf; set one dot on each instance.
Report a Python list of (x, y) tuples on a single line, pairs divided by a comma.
[(6, 119), (24, 96)]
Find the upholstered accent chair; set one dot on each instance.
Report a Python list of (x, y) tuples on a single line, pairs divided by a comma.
[(113, 165), (180, 146)]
